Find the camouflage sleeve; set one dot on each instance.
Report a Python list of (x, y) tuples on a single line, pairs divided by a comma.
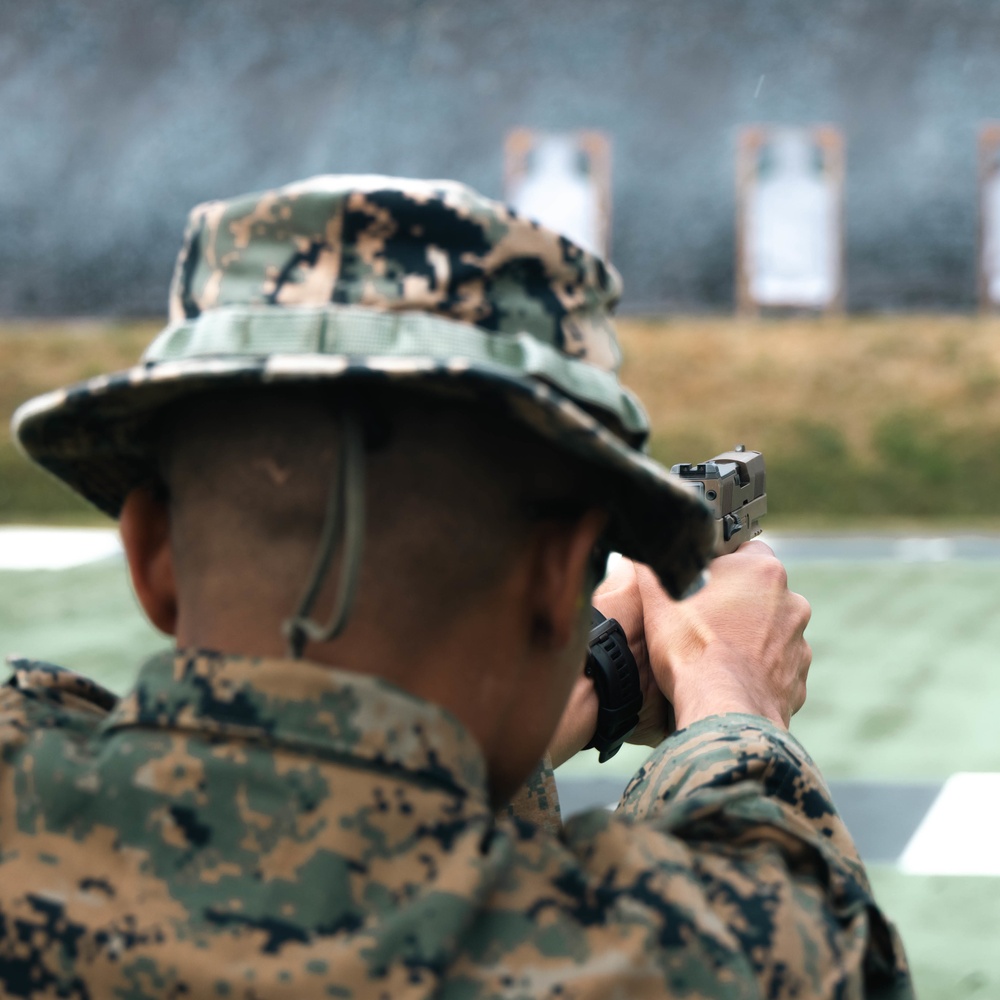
[(537, 800), (773, 856)]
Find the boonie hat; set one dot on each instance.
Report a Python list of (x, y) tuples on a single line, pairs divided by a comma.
[(420, 283)]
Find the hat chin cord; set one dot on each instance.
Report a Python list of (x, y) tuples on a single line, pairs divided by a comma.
[(343, 530)]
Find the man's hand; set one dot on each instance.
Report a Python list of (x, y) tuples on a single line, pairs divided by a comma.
[(619, 597), (735, 646)]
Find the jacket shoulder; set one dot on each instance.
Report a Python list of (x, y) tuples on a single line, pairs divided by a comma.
[(39, 694)]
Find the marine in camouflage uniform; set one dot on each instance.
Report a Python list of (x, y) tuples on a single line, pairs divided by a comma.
[(244, 826)]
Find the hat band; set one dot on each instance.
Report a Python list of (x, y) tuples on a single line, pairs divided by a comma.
[(360, 332)]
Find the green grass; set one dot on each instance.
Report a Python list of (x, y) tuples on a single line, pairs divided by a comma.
[(949, 927), (904, 682), (912, 468), (862, 419), (36, 356), (84, 618), (873, 421), (28, 494), (904, 685)]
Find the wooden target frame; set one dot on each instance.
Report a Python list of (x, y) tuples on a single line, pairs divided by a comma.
[(829, 141), (989, 167)]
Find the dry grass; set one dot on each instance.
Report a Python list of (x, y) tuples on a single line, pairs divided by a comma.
[(716, 380), (38, 356), (860, 417)]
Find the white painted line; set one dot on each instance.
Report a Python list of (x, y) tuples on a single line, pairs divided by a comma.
[(960, 835), (840, 548), (27, 548)]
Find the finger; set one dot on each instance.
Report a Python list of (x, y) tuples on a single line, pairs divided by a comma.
[(803, 609), (619, 576), (755, 547), (650, 588), (800, 697), (800, 687), (622, 568)]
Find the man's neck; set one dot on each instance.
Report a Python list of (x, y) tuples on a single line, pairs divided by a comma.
[(471, 665)]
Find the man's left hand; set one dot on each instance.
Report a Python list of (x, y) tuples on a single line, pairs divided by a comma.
[(618, 597)]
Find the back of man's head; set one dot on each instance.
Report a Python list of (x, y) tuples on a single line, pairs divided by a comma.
[(462, 596), (388, 419), (451, 493), (342, 282)]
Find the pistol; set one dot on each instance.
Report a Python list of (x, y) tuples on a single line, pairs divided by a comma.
[(733, 485)]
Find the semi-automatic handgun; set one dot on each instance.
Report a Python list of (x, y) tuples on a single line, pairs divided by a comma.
[(733, 485)]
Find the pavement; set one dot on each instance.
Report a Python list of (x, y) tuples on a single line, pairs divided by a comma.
[(901, 548)]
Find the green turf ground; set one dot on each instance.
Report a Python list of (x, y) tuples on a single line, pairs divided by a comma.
[(905, 685), (84, 618)]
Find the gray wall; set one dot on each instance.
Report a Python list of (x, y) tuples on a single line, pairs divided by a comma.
[(117, 115)]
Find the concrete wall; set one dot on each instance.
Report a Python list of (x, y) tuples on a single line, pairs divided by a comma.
[(117, 115)]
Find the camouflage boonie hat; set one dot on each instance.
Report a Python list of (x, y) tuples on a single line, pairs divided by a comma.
[(423, 283)]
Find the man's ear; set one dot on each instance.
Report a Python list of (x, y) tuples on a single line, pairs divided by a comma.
[(562, 561), (145, 531)]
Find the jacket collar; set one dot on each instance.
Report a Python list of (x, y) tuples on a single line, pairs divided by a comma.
[(305, 708)]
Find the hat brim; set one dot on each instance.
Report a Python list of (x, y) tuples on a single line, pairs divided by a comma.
[(91, 436)]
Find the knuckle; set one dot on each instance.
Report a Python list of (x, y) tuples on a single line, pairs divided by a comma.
[(807, 658), (803, 609), (802, 696), (774, 573)]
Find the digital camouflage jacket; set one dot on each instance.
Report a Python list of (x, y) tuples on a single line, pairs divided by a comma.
[(251, 828)]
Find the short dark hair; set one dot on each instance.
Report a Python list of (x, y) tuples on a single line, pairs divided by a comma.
[(453, 486)]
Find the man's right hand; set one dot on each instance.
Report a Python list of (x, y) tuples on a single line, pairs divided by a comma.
[(735, 646)]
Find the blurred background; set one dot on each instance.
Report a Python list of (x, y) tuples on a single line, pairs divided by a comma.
[(803, 199)]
